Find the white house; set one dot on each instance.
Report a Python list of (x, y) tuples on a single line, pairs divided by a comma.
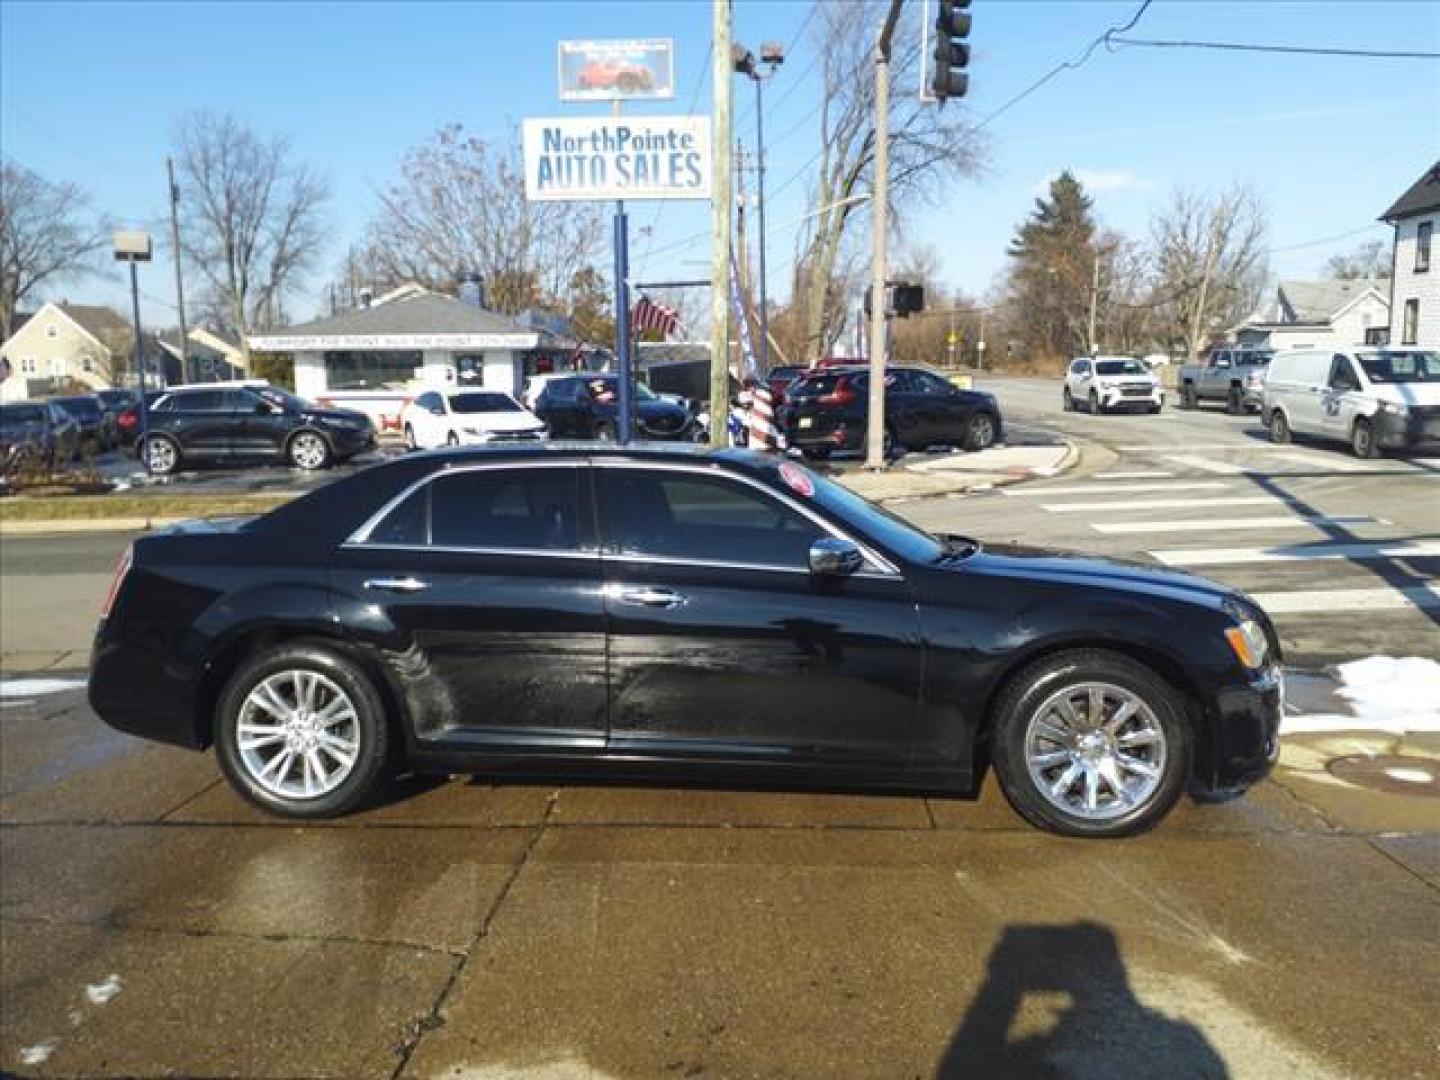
[(1415, 280), (64, 344), (377, 358), (1319, 314)]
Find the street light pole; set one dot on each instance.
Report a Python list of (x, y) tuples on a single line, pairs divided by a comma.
[(772, 53), (134, 247), (879, 207)]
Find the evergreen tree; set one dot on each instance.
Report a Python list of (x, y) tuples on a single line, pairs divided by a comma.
[(1050, 279)]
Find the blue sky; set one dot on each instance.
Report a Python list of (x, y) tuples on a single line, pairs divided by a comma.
[(90, 92)]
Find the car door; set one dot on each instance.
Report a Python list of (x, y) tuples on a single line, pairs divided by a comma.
[(205, 422), (485, 587), (945, 409), (1340, 399), (722, 642), (428, 419), (262, 424), (910, 415)]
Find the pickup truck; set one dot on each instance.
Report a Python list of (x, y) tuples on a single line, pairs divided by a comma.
[(1235, 376)]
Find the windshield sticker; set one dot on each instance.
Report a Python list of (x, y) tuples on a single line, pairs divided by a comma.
[(797, 479)]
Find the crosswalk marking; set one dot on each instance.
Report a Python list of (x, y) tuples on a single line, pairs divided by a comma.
[(1106, 489), (1330, 464), (1142, 474), (1310, 601), (1195, 557), (1163, 504), (1119, 528), (1194, 461)]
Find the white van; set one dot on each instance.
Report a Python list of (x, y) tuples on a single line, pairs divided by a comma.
[(1373, 398)]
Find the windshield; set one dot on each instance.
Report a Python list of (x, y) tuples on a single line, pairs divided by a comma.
[(606, 389), (1120, 367), (1252, 359), (282, 398), (21, 414), (1401, 367), (887, 529), (483, 402)]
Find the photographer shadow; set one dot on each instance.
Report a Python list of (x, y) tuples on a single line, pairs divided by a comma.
[(1056, 1002)]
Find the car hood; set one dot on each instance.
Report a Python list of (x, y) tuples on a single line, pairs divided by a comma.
[(1412, 394), (499, 421)]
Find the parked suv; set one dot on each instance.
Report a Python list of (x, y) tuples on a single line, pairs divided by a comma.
[(1374, 399), (1108, 383), (37, 431), (586, 407), (825, 411), (228, 423)]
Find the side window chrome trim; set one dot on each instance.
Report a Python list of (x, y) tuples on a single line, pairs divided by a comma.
[(457, 549)]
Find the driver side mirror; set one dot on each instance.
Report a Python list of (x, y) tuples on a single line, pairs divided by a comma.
[(831, 556)]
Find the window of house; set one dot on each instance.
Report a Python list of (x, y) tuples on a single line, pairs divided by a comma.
[(27, 365), (1422, 246), (52, 331), (87, 362), (1410, 328), (359, 370)]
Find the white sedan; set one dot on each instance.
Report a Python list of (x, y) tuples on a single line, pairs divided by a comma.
[(468, 418)]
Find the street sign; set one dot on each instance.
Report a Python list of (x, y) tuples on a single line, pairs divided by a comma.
[(635, 157), (617, 70)]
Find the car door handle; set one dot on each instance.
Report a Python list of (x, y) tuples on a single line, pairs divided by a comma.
[(663, 598), (397, 584)]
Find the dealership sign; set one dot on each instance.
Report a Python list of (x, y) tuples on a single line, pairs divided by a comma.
[(634, 157), (617, 70)]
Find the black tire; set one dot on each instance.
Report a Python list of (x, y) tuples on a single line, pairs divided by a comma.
[(1155, 410), (1279, 428), (161, 455), (1235, 402), (1095, 407), (309, 450), (1188, 398), (1069, 401), (1362, 440), (410, 438), (372, 767), (1024, 694), (980, 432)]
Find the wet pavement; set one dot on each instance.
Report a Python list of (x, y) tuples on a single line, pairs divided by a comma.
[(152, 924)]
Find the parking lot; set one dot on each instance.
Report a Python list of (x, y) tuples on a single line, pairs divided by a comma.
[(153, 924)]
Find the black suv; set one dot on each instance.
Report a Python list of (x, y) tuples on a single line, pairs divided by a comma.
[(227, 423), (826, 411), (586, 407)]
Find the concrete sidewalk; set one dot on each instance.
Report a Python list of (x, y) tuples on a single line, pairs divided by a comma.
[(959, 472)]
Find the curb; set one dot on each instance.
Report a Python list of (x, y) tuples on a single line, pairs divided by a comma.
[(978, 486), (85, 525)]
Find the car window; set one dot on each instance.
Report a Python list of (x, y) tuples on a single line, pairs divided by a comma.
[(478, 401), (1079, 367), (675, 515), (408, 524), (1120, 367), (927, 383), (208, 401), (1401, 367), (429, 401), (527, 509), (1342, 375)]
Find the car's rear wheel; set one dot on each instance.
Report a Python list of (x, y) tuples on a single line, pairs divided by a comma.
[(301, 731), (308, 450), (1362, 440), (980, 432), (1279, 427), (1091, 743), (161, 455)]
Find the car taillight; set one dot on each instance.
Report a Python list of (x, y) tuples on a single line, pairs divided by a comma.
[(128, 419), (121, 569)]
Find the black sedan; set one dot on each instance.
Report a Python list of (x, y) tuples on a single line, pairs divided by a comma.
[(826, 410), (587, 407), (250, 422), (663, 613)]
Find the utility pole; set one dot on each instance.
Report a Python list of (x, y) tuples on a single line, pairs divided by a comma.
[(742, 255), (179, 279), (880, 218), (1094, 301), (720, 198)]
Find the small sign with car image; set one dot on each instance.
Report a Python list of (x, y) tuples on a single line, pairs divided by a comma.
[(612, 70)]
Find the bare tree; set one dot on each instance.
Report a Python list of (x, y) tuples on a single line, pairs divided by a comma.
[(1370, 260), (460, 205), (46, 235), (253, 219), (927, 147), (1209, 252)]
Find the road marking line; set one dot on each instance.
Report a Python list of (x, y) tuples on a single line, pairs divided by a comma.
[(1226, 524), (1298, 553), (1356, 600), (1317, 461), (1194, 461), (1162, 504), (1106, 489), (1154, 474)]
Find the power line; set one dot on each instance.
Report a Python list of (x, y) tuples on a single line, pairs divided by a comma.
[(1300, 50), (1325, 240)]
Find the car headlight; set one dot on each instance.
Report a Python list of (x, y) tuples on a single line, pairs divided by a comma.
[(1247, 638), (1392, 408)]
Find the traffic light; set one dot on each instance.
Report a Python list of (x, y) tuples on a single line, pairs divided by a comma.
[(952, 51)]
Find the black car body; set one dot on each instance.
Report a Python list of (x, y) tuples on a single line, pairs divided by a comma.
[(239, 423), (37, 432), (114, 403), (127, 421), (662, 613), (587, 407), (825, 412), (96, 432)]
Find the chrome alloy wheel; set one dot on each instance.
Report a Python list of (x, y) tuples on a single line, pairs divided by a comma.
[(298, 734), (308, 450), (1095, 750), (160, 455)]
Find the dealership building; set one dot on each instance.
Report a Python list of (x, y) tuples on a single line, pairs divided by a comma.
[(377, 358)]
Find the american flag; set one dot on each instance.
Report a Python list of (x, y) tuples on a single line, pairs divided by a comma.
[(653, 315)]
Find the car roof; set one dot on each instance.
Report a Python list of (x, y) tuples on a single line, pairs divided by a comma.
[(644, 452)]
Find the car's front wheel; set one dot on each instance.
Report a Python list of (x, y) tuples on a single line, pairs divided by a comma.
[(1091, 743), (1362, 440), (308, 450), (301, 731), (161, 455), (1279, 427), (980, 432), (1095, 407)]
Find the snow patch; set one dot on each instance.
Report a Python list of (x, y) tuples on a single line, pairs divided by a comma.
[(101, 992), (16, 688), (1386, 690)]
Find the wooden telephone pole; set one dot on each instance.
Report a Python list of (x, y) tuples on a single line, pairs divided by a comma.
[(721, 195), (179, 277)]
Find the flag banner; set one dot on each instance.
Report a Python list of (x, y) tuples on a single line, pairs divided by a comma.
[(652, 315), (747, 350)]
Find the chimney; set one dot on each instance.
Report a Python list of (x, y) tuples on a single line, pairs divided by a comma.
[(470, 288)]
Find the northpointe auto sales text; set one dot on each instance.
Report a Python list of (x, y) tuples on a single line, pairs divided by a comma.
[(621, 157)]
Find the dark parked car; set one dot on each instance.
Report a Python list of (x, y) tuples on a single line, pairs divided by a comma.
[(113, 404), (127, 423), (37, 431), (780, 378), (585, 407), (231, 423), (670, 613), (96, 433), (826, 410)]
